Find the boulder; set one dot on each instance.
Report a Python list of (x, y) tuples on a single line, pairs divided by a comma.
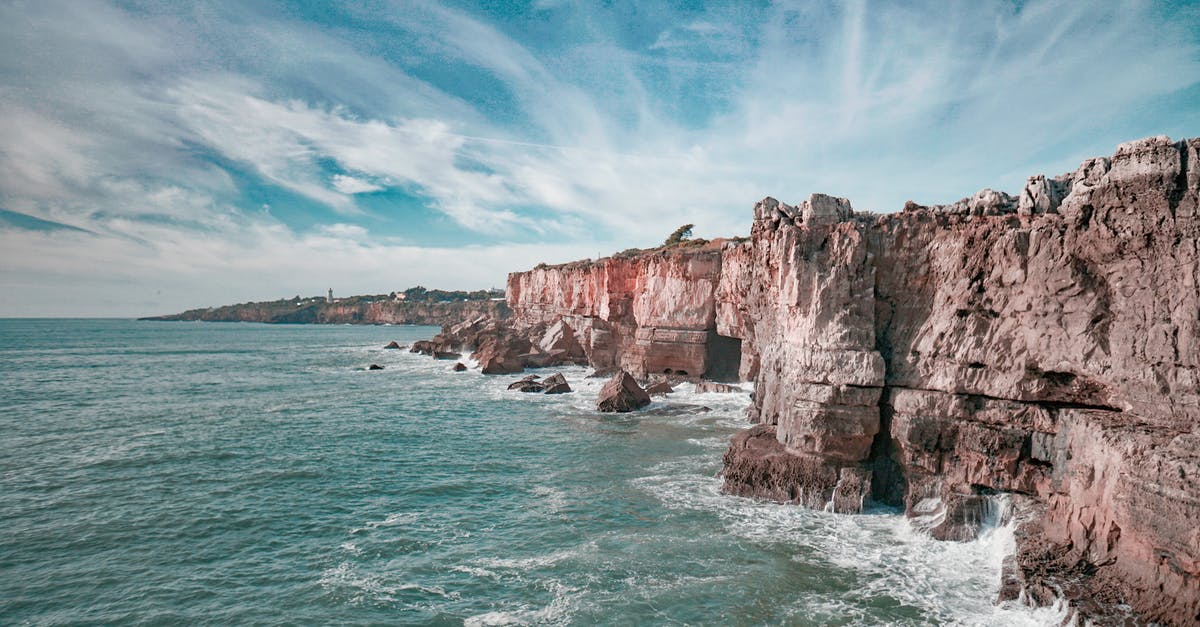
[(500, 354), (460, 367), (622, 394), (393, 345), (374, 367), (529, 380), (446, 355), (660, 388), (556, 384)]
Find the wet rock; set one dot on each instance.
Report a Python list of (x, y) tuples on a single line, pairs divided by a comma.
[(659, 388), (622, 394), (460, 367), (393, 345), (556, 384), (722, 388), (524, 382), (374, 367)]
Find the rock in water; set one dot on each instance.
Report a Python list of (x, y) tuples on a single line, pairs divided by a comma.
[(622, 394), (556, 384), (460, 367), (374, 367), (526, 384), (660, 388), (393, 345), (721, 388)]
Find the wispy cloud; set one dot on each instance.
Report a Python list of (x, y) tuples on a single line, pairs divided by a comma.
[(192, 142)]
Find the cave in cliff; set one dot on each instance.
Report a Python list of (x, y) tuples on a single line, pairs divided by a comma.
[(724, 358)]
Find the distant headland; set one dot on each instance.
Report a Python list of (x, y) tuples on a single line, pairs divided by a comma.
[(416, 305)]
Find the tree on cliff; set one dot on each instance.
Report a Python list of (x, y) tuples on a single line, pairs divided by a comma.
[(682, 233)]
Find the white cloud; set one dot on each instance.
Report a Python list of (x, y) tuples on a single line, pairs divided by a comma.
[(350, 185)]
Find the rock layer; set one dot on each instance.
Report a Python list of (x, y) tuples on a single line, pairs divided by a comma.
[(1045, 345)]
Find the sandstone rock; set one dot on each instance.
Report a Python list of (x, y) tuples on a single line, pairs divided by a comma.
[(659, 388), (528, 383), (556, 384), (497, 354), (460, 367), (622, 394)]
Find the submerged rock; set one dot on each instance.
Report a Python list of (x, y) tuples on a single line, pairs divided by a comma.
[(722, 388), (393, 345), (459, 367), (622, 394), (374, 367)]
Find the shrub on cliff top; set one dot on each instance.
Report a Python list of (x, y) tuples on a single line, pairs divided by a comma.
[(682, 233)]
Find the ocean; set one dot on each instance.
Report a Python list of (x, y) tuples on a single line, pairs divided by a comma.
[(219, 473)]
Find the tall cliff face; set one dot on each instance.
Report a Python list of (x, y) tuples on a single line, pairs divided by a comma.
[(648, 314), (1046, 346)]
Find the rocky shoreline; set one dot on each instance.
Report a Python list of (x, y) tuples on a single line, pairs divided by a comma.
[(1044, 346)]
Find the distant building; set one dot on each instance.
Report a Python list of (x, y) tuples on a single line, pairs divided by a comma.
[(329, 299)]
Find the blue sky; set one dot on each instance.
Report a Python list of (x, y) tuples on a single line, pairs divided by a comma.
[(157, 156)]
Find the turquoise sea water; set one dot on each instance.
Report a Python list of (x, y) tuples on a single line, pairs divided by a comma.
[(184, 473)]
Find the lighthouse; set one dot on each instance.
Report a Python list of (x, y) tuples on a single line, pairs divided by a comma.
[(329, 299)]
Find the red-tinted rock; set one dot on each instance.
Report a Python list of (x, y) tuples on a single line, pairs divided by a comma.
[(660, 388), (460, 367), (556, 384), (622, 394)]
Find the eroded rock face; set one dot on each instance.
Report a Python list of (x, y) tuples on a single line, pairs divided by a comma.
[(1045, 346), (646, 314)]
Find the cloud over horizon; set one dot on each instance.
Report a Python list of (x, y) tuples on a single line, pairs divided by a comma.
[(155, 157)]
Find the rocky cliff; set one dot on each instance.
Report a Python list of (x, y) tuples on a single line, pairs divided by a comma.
[(1044, 346)]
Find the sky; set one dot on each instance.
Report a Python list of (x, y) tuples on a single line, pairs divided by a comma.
[(157, 156)]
